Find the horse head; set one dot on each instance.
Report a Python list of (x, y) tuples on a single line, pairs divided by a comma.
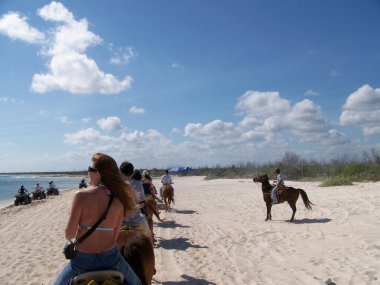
[(261, 178)]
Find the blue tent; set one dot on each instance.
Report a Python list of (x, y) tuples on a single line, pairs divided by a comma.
[(180, 169)]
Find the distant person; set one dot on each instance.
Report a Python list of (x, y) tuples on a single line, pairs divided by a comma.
[(136, 221), (98, 251), (38, 188), (52, 185), (22, 190), (278, 184), (136, 175), (147, 183), (167, 180)]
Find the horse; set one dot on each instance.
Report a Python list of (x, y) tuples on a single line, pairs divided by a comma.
[(137, 250), (289, 195), (151, 209), (168, 196)]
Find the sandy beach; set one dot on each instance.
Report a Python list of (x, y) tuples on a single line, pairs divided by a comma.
[(216, 234)]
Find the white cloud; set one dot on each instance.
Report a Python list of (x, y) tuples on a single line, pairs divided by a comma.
[(362, 108), (7, 100), (311, 93), (122, 55), (16, 27), (267, 113), (86, 120), (68, 68), (176, 131), (262, 104), (87, 136), (64, 120), (77, 74), (110, 123), (55, 11), (263, 134), (135, 110)]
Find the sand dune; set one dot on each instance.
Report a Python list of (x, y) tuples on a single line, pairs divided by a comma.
[(216, 234)]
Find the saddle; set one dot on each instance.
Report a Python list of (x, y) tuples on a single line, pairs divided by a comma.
[(105, 277), (281, 190)]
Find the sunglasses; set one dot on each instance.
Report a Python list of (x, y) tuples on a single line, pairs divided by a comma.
[(92, 169)]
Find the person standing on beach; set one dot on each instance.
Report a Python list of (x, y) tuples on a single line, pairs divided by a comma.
[(98, 251), (278, 183), (136, 221), (167, 180)]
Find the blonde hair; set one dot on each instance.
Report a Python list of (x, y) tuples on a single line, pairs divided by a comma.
[(114, 181)]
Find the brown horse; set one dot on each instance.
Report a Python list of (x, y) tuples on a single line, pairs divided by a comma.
[(289, 195), (137, 249), (167, 194), (151, 208)]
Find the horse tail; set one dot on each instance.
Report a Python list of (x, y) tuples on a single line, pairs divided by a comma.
[(305, 199)]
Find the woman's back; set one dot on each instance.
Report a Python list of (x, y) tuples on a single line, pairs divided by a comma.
[(90, 205)]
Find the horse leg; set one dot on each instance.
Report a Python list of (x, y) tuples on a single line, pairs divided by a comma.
[(269, 215), (294, 208)]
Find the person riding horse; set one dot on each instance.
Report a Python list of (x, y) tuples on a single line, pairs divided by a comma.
[(278, 184), (167, 180)]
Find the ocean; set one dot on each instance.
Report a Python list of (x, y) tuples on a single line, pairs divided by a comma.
[(9, 185)]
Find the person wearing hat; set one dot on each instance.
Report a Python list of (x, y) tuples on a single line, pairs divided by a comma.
[(278, 183)]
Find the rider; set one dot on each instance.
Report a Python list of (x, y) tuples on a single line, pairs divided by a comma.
[(147, 183), (167, 180), (136, 221), (22, 190), (38, 188), (278, 184), (52, 185)]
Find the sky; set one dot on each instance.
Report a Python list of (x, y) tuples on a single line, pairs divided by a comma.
[(186, 83)]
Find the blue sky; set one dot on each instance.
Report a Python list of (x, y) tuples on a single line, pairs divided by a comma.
[(194, 83)]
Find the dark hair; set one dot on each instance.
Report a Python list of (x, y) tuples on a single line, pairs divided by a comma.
[(166, 171), (114, 181), (136, 175), (127, 168), (277, 170)]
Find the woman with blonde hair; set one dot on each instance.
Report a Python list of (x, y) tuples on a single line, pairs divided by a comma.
[(98, 251)]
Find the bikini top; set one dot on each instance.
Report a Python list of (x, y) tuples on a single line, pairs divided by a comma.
[(108, 192)]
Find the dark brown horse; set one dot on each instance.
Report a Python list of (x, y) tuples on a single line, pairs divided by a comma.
[(137, 249), (167, 194), (289, 195)]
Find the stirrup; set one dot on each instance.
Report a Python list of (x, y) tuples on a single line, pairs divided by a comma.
[(99, 276)]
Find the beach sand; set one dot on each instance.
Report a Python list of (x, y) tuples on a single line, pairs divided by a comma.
[(216, 234)]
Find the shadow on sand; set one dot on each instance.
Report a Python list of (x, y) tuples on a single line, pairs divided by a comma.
[(312, 221), (189, 281), (186, 212), (170, 225), (177, 243)]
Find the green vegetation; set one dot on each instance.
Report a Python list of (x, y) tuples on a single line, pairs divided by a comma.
[(337, 171)]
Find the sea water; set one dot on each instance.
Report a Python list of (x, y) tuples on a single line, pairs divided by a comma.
[(9, 185)]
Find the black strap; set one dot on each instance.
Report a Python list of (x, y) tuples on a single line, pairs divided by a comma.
[(93, 228)]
